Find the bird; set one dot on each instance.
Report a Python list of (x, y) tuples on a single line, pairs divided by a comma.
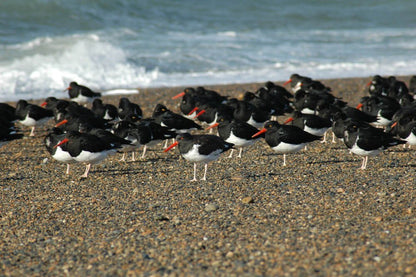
[(285, 138), (200, 149), (128, 110), (175, 122), (8, 131), (366, 140), (81, 94), (32, 115), (106, 111), (311, 123), (59, 153), (87, 148), (236, 132)]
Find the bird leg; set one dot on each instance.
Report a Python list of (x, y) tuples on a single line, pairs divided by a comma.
[(194, 179), (333, 138), (87, 169), (123, 158), (241, 151), (364, 164), (205, 173), (132, 157), (67, 168), (324, 140), (32, 132), (284, 159), (144, 151), (231, 153)]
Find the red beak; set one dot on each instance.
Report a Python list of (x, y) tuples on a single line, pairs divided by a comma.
[(264, 130), (44, 104), (288, 120), (171, 146), (65, 140), (68, 88), (178, 95), (212, 126), (359, 106), (61, 123), (287, 82), (193, 110), (368, 84), (201, 112), (394, 124)]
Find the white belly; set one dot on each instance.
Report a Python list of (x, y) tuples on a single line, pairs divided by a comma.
[(288, 148)]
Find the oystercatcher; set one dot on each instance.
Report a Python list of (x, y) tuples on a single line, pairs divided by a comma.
[(106, 111), (366, 140), (285, 138), (200, 149), (383, 107), (405, 129), (59, 153), (81, 94), (236, 132), (87, 148), (175, 122), (247, 112), (8, 131), (128, 110), (32, 115), (311, 123)]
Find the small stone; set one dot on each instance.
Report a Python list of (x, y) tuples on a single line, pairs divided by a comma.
[(340, 190), (247, 200), (378, 219), (229, 254), (211, 207)]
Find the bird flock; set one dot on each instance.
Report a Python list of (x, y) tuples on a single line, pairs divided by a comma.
[(385, 117)]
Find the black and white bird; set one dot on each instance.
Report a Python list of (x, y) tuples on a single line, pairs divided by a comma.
[(200, 149), (175, 122), (81, 94), (236, 132), (87, 148), (32, 115), (365, 140), (285, 138), (59, 153)]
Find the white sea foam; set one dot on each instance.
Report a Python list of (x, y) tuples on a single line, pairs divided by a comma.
[(56, 62)]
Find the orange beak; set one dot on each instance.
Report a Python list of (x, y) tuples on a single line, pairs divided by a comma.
[(264, 130), (287, 82), (290, 119), (178, 95), (394, 124), (61, 123), (193, 110), (65, 140), (359, 106), (171, 146), (212, 126), (44, 104), (201, 112), (368, 84), (68, 88)]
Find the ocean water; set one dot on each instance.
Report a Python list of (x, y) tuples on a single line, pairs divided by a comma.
[(122, 44)]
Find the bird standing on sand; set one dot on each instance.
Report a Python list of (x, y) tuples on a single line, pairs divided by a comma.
[(285, 138), (200, 149), (32, 115)]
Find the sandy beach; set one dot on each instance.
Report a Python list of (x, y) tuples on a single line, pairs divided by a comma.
[(318, 216)]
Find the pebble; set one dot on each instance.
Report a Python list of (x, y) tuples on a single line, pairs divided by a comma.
[(211, 207)]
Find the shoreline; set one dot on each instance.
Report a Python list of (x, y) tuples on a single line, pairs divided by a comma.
[(320, 215)]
